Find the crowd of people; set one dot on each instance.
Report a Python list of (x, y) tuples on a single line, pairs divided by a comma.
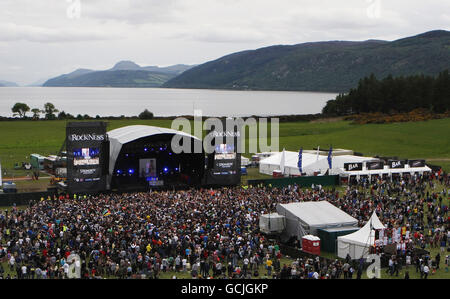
[(206, 232)]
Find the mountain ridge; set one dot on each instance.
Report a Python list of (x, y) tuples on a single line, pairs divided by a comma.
[(331, 66), (124, 73), (4, 83)]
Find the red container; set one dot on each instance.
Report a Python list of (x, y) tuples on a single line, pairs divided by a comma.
[(311, 244)]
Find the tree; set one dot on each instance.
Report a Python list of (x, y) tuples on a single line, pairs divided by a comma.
[(50, 111), (20, 109), (62, 115), (36, 113), (146, 115)]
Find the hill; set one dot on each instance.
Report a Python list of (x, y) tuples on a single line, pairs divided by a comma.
[(119, 78), (122, 74), (7, 84), (333, 66)]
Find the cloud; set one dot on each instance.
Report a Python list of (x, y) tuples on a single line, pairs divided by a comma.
[(14, 32), (190, 31), (134, 12), (210, 34)]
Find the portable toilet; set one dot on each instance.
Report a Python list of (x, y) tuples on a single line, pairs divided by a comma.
[(244, 170), (311, 244)]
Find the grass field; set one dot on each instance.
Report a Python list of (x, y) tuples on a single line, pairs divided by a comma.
[(427, 139), (413, 140)]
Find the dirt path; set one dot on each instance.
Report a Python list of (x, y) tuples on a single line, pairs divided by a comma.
[(24, 178), (439, 159)]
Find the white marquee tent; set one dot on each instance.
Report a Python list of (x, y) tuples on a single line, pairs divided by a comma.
[(385, 170), (311, 163), (287, 163), (357, 244)]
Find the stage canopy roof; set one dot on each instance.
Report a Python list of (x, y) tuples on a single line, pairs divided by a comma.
[(120, 136)]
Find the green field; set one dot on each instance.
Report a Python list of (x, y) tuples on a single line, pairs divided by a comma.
[(413, 140)]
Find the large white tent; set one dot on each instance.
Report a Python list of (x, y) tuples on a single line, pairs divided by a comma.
[(385, 170), (303, 218), (358, 243), (311, 163)]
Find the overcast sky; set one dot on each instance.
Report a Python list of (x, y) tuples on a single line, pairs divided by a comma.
[(44, 38)]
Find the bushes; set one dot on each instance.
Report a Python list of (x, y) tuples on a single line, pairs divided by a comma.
[(380, 118)]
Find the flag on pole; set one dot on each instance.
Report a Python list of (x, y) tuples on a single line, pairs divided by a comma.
[(106, 213), (330, 156), (283, 161), (300, 154)]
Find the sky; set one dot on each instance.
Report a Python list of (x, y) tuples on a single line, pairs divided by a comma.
[(40, 39)]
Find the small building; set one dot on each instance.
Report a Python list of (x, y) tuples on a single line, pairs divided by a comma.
[(37, 161)]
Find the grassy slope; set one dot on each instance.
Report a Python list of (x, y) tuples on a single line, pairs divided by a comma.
[(429, 139)]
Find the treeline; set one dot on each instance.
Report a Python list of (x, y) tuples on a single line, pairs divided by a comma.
[(394, 95), (51, 113)]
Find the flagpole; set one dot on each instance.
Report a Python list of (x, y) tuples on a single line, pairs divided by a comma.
[(330, 160)]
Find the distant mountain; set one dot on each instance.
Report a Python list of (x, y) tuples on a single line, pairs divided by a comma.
[(125, 65), (334, 66), (66, 79), (37, 83), (171, 70), (119, 78), (122, 74), (7, 84)]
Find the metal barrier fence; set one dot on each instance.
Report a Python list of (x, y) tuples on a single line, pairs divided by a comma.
[(306, 181), (21, 199)]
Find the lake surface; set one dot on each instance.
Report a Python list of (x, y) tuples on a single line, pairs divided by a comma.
[(163, 102)]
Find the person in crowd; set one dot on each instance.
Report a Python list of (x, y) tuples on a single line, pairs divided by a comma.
[(204, 231)]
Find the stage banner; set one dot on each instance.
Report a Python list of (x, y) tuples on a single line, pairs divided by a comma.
[(416, 163), (353, 166), (87, 149), (375, 165), (396, 164)]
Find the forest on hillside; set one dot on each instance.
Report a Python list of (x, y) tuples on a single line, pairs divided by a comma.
[(394, 95)]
